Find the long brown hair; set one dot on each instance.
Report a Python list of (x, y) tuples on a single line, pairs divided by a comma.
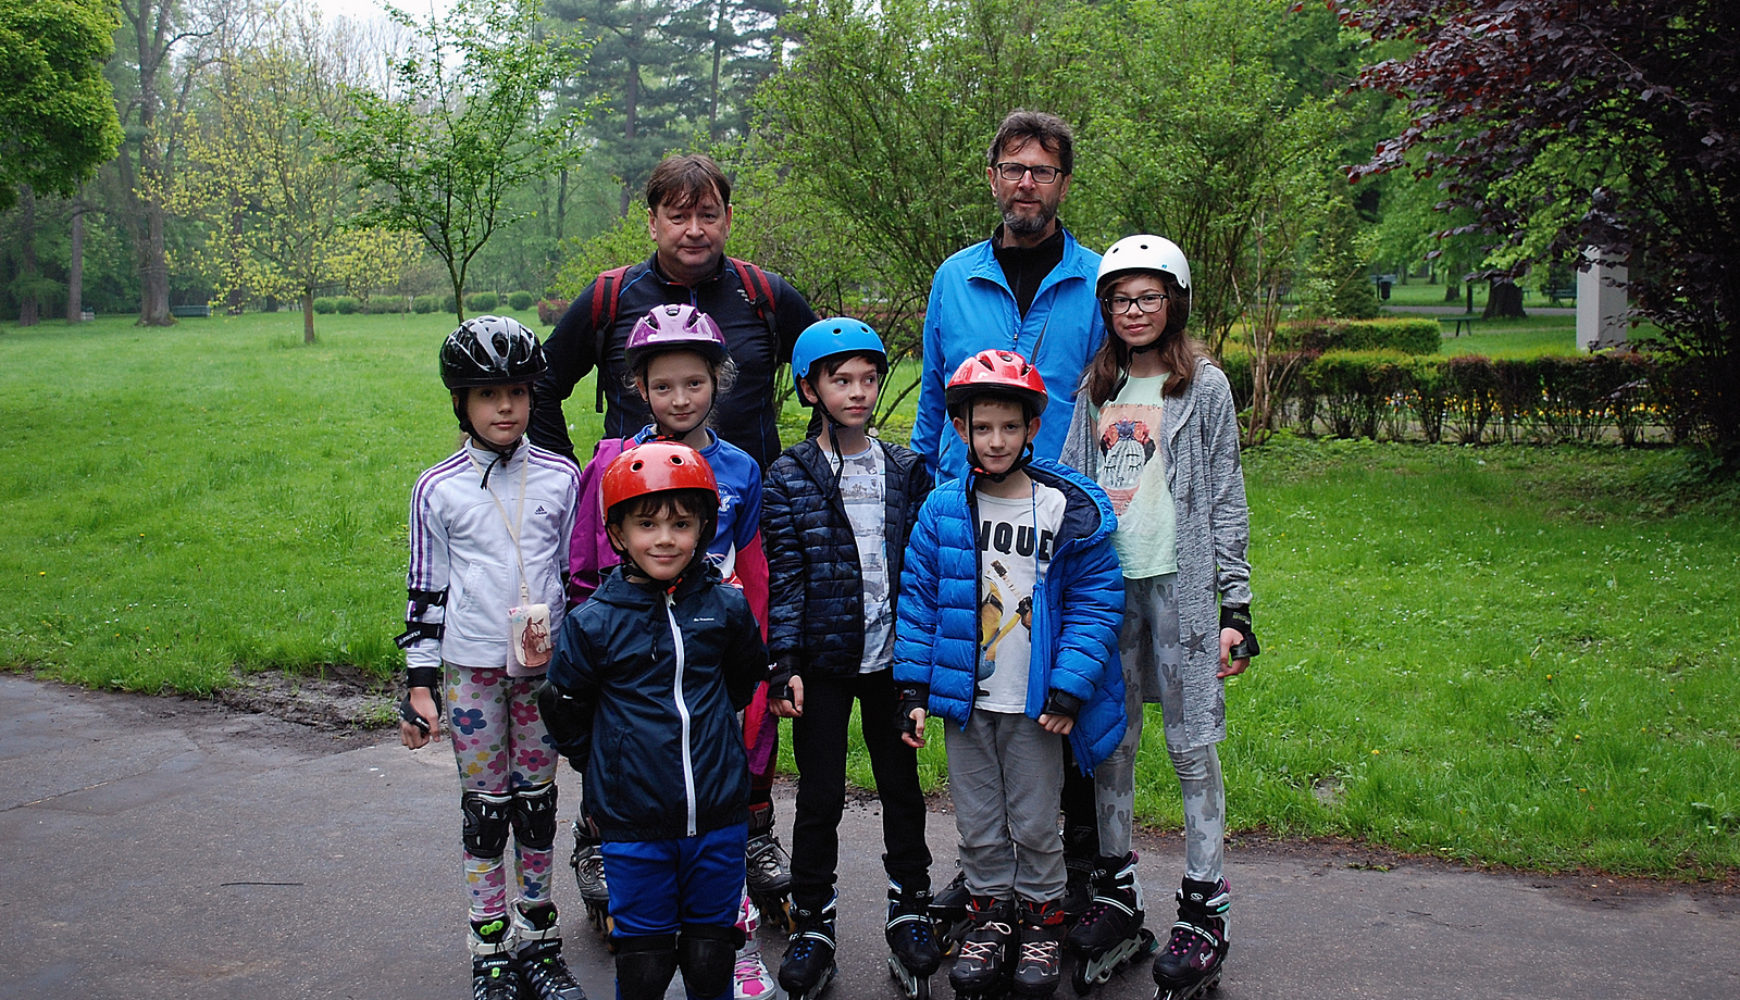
[(1179, 352)]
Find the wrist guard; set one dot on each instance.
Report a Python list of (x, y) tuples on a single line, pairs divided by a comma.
[(1238, 616), (908, 697), (1061, 703), (407, 713)]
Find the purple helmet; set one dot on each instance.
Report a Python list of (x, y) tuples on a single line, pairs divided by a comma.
[(674, 328)]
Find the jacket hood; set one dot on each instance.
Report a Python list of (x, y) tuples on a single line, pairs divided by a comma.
[(1087, 512)]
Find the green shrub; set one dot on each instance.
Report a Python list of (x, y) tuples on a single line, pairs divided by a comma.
[(1409, 335), (426, 304), (481, 302), (326, 305), (1471, 386), (521, 301), (449, 303), (380, 305), (347, 304), (1356, 388)]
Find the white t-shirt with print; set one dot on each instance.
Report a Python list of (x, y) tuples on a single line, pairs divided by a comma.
[(862, 482), (1016, 538)]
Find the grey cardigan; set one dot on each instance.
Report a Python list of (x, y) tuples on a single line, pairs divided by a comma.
[(1200, 446)]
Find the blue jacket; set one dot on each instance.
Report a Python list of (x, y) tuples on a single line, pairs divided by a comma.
[(1078, 608), (648, 688), (815, 611), (971, 309)]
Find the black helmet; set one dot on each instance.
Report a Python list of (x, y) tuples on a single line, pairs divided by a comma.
[(491, 350)]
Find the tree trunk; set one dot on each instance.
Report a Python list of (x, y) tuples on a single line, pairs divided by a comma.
[(151, 21), (631, 108), (458, 292), (75, 269), (29, 305), (1504, 299), (308, 315)]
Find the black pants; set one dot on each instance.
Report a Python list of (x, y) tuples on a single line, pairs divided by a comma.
[(819, 746)]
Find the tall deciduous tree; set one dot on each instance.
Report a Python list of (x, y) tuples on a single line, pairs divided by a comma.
[(1566, 124), (57, 112), (278, 206), (464, 124)]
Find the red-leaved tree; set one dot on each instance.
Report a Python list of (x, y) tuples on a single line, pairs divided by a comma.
[(1568, 124)]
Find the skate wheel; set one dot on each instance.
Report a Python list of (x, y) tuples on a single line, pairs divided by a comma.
[(1079, 981)]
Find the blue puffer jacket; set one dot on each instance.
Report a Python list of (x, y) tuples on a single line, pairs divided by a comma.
[(1077, 610), (971, 309), (647, 688), (815, 610)]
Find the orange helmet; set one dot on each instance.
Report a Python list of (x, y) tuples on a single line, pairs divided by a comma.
[(655, 467), (1000, 372)]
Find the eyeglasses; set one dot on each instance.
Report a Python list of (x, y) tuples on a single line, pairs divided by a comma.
[(1148, 302), (1043, 173)]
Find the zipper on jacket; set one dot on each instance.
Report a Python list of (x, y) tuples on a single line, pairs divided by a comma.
[(682, 713)]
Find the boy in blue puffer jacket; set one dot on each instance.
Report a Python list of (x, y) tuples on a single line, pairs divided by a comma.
[(1009, 612), (836, 512)]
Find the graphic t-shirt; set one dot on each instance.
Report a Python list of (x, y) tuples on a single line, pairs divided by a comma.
[(862, 481), (1016, 539), (1133, 474)]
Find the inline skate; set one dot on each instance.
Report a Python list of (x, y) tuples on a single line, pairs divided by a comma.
[(986, 963), (1110, 933), (769, 869), (911, 940), (1195, 956), (539, 954), (948, 913), (494, 973), (1040, 964), (749, 974), (588, 864), (809, 966)]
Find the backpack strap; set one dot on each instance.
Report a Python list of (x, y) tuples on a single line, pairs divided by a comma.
[(606, 295), (758, 290)]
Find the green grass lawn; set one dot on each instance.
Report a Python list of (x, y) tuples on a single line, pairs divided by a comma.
[(1519, 656)]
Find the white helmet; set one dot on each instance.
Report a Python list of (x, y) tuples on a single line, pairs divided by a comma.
[(1144, 252)]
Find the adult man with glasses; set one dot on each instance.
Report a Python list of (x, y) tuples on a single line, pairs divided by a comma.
[(1027, 289)]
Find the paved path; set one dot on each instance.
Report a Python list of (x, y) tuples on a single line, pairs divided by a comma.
[(161, 848)]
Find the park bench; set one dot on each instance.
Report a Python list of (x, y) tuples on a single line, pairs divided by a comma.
[(1558, 293), (1460, 324), (184, 312)]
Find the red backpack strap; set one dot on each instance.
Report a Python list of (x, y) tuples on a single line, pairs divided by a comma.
[(606, 294), (757, 289)]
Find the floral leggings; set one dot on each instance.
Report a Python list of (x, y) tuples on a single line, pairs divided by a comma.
[(502, 748)]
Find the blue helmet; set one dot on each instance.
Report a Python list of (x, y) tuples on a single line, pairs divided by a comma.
[(837, 335)]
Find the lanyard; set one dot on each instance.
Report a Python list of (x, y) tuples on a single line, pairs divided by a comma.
[(513, 528)]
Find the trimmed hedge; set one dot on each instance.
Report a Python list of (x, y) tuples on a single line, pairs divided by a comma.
[(1408, 335), (347, 304), (481, 302), (425, 304), (325, 305), (1469, 399), (521, 301)]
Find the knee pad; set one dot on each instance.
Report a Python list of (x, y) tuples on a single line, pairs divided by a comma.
[(486, 822), (534, 816), (707, 954), (644, 965)]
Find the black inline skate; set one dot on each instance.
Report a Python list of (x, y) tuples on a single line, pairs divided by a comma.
[(986, 961), (769, 870), (1195, 956), (809, 966), (1081, 845), (494, 973), (539, 954), (1041, 961), (588, 864), (911, 940), (948, 913), (1110, 933)]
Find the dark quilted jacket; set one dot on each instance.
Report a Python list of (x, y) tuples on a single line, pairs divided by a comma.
[(815, 588)]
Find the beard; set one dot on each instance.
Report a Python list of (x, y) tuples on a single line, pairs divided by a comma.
[(1026, 226)]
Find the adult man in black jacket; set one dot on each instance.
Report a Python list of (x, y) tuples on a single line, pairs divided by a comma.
[(689, 219)]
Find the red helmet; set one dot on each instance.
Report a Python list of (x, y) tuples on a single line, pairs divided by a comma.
[(655, 467), (1002, 372)]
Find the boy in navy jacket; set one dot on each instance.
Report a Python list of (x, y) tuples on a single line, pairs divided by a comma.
[(645, 686), (836, 512)]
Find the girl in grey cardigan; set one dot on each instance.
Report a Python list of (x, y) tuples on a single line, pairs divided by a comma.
[(1155, 425)]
